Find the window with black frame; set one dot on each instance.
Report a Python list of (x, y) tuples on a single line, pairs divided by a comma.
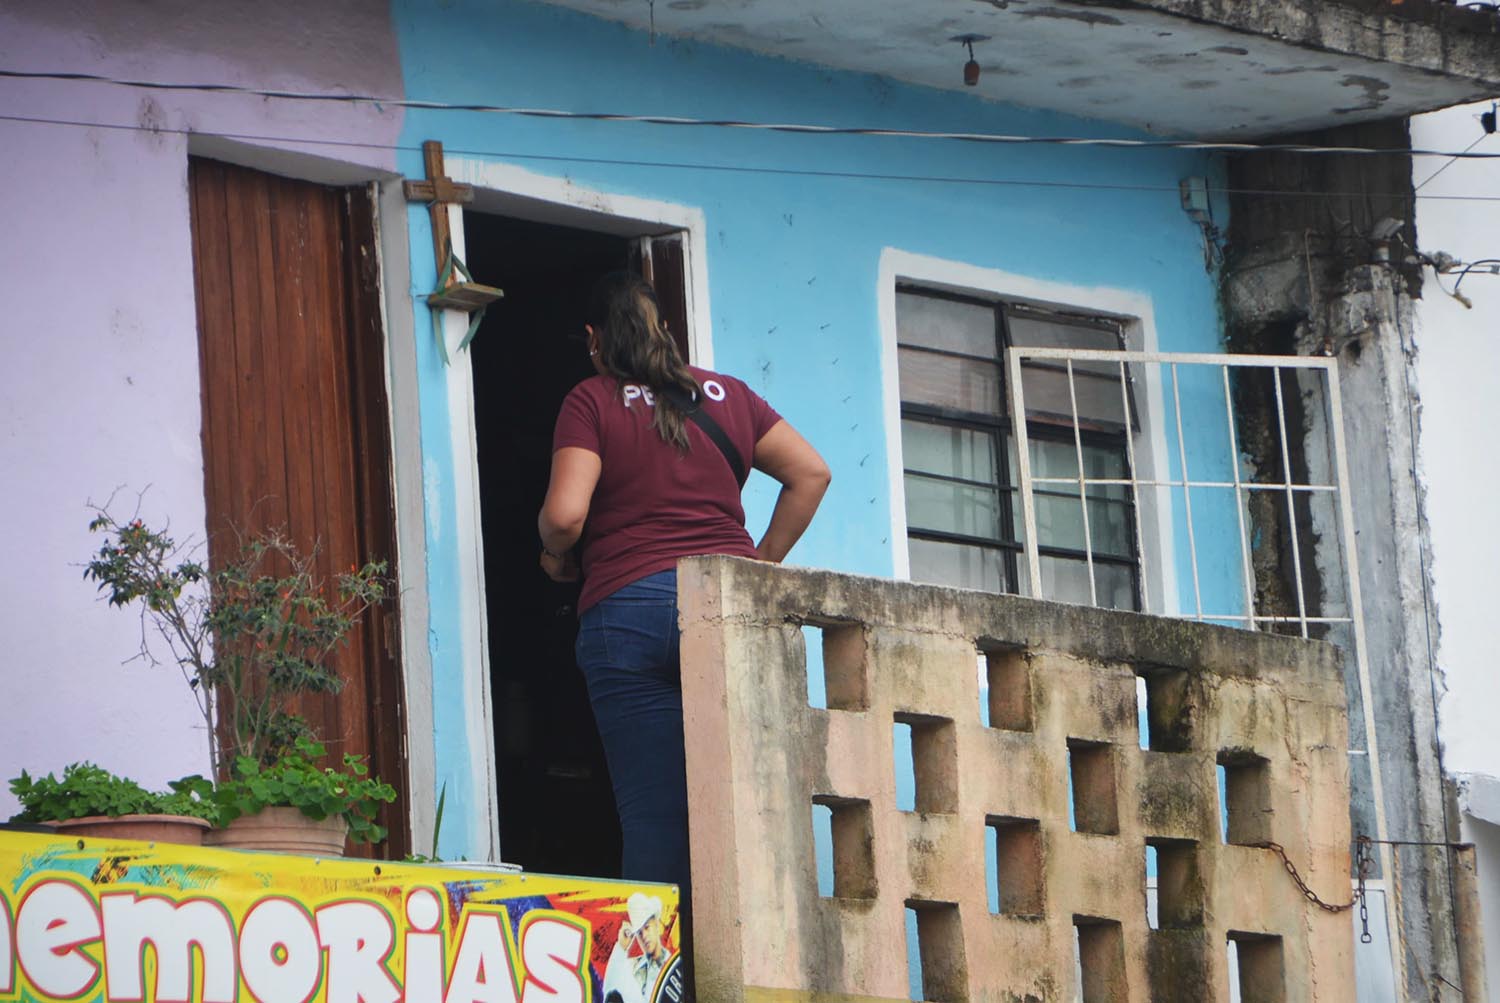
[(963, 512)]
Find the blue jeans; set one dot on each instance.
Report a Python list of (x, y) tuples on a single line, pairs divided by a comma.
[(627, 650)]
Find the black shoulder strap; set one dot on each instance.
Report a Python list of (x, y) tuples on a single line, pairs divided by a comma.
[(693, 411)]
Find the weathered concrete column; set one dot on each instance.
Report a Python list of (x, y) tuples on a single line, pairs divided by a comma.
[(1307, 303), (1371, 319), (1320, 262)]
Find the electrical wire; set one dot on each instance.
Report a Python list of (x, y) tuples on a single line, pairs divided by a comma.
[(1482, 137), (1443, 265), (823, 130), (1494, 269), (728, 168)]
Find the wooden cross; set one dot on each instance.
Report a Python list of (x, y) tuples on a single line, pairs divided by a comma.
[(439, 192)]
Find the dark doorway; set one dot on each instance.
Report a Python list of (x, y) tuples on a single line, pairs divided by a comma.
[(557, 810)]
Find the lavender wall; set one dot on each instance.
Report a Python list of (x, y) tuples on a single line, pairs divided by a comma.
[(99, 387)]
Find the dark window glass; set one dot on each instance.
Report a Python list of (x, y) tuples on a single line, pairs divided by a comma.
[(950, 381), (946, 324), (963, 514)]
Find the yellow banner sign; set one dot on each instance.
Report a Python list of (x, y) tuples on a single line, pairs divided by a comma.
[(126, 922)]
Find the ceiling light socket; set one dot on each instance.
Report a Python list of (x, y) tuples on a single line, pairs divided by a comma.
[(971, 68)]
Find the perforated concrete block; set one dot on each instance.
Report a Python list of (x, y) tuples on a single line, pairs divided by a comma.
[(1058, 769)]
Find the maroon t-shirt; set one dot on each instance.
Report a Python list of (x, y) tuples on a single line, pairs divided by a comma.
[(654, 504)]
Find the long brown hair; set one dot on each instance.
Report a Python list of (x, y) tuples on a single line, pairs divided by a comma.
[(635, 347)]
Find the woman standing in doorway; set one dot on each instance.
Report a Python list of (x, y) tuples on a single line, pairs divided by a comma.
[(642, 480)]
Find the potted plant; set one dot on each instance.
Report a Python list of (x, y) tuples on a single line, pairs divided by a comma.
[(90, 801), (250, 638), (297, 806)]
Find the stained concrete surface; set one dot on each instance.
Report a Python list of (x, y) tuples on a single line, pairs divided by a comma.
[(1268, 710), (1203, 68)]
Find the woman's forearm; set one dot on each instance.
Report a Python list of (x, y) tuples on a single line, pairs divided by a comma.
[(789, 458), (794, 510), (556, 538), (560, 523)]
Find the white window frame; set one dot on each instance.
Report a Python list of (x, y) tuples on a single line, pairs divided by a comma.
[(1132, 309)]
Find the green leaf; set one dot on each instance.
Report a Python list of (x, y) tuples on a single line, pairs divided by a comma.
[(87, 789)]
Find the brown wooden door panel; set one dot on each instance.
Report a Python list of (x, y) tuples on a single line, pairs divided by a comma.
[(670, 280), (660, 261), (372, 469), (295, 426)]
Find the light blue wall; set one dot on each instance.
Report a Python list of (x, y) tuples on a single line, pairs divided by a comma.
[(792, 259)]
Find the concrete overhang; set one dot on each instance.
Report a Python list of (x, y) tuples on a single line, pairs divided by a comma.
[(1197, 68)]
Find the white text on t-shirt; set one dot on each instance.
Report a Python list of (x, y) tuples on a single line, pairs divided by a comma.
[(712, 389)]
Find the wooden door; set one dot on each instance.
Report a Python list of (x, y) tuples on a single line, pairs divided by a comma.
[(295, 423), (661, 262)]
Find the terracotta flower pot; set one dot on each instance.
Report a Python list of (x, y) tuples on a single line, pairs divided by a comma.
[(182, 829), (282, 830)]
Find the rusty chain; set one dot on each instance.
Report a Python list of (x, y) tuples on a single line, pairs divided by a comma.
[(1362, 865), (1363, 860)]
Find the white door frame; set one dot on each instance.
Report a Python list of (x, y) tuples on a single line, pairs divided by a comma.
[(504, 189)]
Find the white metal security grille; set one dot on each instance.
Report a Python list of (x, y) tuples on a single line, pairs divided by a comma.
[(1155, 383)]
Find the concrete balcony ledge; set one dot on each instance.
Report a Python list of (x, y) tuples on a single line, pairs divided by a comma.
[(1023, 715)]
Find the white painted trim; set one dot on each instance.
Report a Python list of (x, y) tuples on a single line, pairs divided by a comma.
[(469, 546), (398, 327), (695, 292), (300, 164), (507, 190), (1134, 309), (890, 409), (504, 189)]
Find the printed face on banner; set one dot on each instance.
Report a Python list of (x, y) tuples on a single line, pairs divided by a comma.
[(123, 922)]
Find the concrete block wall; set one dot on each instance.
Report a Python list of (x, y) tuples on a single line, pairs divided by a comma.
[(1058, 773)]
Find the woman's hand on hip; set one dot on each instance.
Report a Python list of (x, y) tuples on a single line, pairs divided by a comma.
[(560, 569), (804, 477)]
